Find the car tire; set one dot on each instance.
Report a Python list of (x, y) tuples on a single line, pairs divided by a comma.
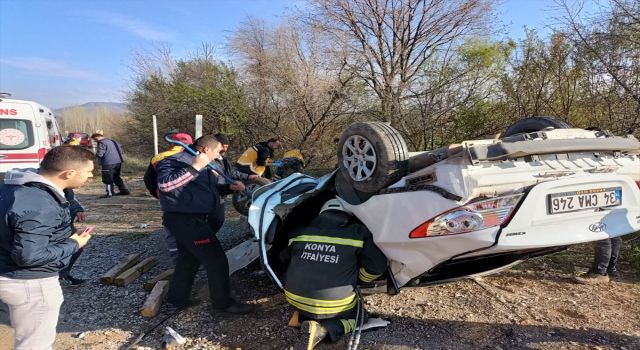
[(533, 124), (372, 155), (348, 193)]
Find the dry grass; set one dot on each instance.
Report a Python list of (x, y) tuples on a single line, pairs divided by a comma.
[(578, 258), (135, 165)]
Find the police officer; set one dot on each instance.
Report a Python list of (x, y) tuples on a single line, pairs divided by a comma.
[(326, 259)]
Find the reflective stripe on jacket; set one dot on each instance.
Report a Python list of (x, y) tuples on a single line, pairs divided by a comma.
[(151, 175), (326, 259), (183, 189)]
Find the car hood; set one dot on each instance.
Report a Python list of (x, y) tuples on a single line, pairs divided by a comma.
[(276, 200), (272, 203)]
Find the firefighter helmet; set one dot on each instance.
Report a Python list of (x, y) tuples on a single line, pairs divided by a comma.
[(333, 204)]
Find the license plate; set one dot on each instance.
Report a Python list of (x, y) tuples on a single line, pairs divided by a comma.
[(585, 199)]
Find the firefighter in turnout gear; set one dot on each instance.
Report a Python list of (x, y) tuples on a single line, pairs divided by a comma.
[(326, 259)]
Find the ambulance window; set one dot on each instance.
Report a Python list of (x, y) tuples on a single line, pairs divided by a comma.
[(51, 132), (15, 134)]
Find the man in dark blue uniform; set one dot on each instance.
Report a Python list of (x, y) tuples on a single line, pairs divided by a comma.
[(189, 192)]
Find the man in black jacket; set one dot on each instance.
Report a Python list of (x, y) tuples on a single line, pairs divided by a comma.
[(36, 242), (216, 219), (326, 259), (189, 191)]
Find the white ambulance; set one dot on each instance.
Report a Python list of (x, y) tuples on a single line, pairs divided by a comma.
[(27, 131)]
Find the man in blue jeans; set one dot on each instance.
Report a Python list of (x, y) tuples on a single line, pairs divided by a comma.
[(605, 258), (36, 242), (76, 210)]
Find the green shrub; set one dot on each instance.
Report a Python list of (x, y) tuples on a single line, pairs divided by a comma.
[(630, 251)]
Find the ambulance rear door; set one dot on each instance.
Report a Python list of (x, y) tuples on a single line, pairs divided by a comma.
[(21, 145)]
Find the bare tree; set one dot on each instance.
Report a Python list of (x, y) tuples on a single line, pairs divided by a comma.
[(253, 44), (609, 43), (448, 101), (155, 61), (297, 90), (81, 119), (391, 40), (177, 89)]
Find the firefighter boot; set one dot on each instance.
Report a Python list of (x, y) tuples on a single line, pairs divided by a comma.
[(316, 333)]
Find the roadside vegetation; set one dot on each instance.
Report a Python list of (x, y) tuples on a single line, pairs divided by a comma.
[(630, 250), (439, 71), (578, 259)]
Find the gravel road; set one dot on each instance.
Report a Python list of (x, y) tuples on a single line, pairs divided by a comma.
[(533, 306)]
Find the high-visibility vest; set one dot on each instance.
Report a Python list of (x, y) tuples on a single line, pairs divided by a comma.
[(249, 158)]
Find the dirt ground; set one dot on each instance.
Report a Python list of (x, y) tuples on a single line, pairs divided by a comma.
[(532, 306)]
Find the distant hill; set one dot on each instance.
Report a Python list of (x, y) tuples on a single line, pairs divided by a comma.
[(91, 107)]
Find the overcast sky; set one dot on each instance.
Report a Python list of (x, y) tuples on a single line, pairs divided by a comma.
[(68, 52)]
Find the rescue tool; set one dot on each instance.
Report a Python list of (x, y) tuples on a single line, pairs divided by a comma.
[(212, 166)]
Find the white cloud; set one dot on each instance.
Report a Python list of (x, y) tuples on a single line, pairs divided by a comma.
[(134, 26), (48, 67)]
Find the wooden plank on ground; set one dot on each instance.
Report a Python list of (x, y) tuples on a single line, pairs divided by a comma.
[(134, 272), (155, 299), (163, 276), (110, 276)]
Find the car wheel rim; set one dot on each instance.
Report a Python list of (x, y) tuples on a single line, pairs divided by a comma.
[(359, 158)]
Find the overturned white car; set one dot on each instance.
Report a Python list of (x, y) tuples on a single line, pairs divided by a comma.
[(467, 209)]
